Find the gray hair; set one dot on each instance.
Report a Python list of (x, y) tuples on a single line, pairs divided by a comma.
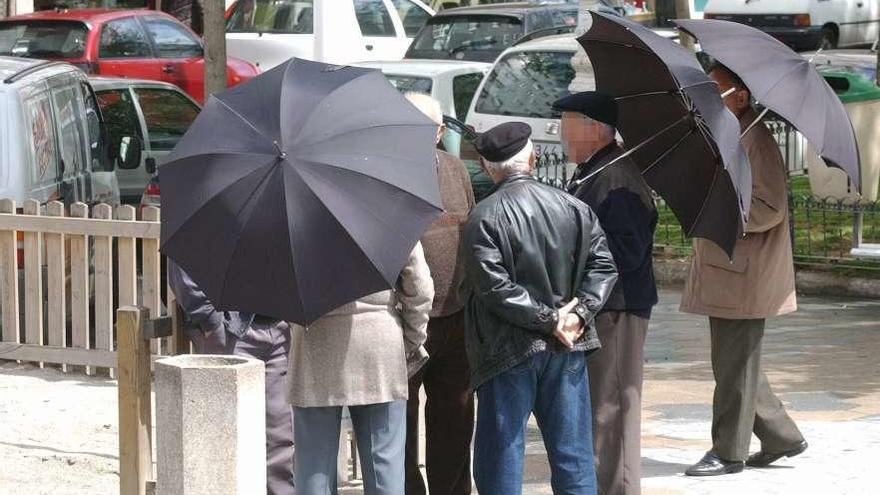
[(517, 164)]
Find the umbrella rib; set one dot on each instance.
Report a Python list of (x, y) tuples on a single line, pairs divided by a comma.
[(243, 119), (668, 151), (618, 43), (705, 202)]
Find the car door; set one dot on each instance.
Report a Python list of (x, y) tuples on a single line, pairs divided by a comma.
[(124, 50), (378, 30), (167, 114), (44, 170), (180, 54), (69, 117), (123, 119), (869, 14)]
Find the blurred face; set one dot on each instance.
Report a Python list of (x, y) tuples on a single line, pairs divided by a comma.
[(583, 136), (738, 101)]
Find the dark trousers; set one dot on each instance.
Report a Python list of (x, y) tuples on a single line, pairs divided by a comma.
[(555, 387), (616, 395), (270, 344), (743, 402), (449, 413)]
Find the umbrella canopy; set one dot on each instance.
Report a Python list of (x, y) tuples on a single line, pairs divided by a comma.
[(787, 84), (300, 190), (675, 125)]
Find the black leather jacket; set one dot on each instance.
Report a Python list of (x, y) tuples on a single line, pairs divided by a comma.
[(529, 248)]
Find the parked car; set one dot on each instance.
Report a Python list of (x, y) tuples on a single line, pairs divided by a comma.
[(481, 33), (268, 32), (142, 44), (450, 82), (158, 114), (54, 140), (805, 24)]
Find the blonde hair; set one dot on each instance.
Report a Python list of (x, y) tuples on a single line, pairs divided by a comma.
[(427, 105)]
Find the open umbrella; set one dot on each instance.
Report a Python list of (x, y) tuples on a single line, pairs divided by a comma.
[(675, 125), (300, 190), (785, 83)]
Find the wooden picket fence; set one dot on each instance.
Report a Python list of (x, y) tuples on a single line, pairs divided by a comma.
[(63, 274)]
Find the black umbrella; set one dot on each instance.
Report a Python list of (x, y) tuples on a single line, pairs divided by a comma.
[(298, 191), (675, 125), (785, 83)]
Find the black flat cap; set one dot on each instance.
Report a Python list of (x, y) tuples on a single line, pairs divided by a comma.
[(593, 104), (503, 141)]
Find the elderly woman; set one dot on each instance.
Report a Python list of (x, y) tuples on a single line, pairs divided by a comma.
[(361, 356)]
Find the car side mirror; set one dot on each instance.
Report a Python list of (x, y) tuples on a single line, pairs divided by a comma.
[(130, 152), (150, 165)]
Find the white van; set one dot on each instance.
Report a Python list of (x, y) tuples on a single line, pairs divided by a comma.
[(53, 141), (805, 24), (268, 32)]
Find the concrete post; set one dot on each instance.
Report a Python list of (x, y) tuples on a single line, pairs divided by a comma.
[(210, 425)]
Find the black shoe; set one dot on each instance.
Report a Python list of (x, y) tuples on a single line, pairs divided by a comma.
[(763, 459), (712, 465)]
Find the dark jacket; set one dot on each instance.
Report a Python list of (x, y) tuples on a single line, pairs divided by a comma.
[(442, 238), (528, 249), (197, 308), (625, 207)]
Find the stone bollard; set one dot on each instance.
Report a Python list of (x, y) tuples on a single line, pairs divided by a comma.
[(210, 425)]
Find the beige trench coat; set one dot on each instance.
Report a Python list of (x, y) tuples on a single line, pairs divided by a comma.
[(759, 282)]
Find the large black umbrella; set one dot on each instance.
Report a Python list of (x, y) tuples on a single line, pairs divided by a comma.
[(675, 125), (298, 191), (785, 83)]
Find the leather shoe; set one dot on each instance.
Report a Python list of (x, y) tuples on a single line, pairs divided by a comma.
[(712, 465), (763, 459)]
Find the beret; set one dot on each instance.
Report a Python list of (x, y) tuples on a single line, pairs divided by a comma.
[(593, 104), (503, 141)]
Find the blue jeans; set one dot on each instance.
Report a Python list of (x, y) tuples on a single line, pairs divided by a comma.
[(380, 431), (554, 387)]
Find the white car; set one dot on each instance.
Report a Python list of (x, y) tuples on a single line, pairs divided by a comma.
[(523, 84), (452, 83), (805, 24), (268, 32)]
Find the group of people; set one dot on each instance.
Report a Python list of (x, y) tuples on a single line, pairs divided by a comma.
[(536, 300)]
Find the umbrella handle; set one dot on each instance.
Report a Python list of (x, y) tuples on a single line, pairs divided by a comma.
[(755, 122)]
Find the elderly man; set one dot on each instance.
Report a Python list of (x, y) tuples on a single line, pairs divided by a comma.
[(625, 208), (738, 295), (449, 412), (538, 270), (254, 336)]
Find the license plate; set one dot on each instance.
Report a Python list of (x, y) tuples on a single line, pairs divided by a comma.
[(550, 153)]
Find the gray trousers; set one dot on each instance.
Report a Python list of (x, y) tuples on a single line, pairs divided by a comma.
[(743, 402), (616, 391), (271, 345), (380, 431)]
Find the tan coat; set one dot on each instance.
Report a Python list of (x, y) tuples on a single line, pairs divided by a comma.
[(364, 352), (759, 282)]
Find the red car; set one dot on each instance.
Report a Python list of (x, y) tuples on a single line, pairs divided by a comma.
[(142, 44)]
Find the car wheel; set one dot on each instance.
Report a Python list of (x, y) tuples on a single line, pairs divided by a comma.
[(828, 41)]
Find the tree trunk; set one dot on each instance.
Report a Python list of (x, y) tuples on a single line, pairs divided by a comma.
[(4, 8), (683, 11), (877, 76), (215, 46)]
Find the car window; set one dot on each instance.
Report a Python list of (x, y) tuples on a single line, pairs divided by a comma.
[(47, 39), (563, 17), (412, 16), (272, 16), (71, 129), (44, 157), (463, 89), (120, 114), (411, 84), (172, 40), (123, 38), (168, 115), (373, 18), (93, 127), (525, 84), (454, 34)]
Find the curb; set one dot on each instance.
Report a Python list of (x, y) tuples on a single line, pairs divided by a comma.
[(674, 272)]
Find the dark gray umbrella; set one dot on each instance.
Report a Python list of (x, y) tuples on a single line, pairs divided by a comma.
[(785, 83), (300, 190), (675, 125)]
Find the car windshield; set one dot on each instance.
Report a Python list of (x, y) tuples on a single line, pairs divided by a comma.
[(43, 39), (451, 36), (272, 16), (410, 84), (525, 84)]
